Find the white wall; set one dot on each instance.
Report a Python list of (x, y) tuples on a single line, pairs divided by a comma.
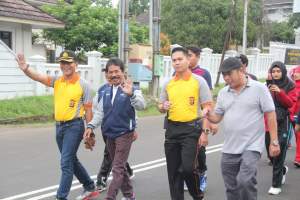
[(278, 16), (21, 37), (296, 8), (13, 82), (10, 27)]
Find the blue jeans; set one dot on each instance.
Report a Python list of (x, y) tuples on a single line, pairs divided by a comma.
[(68, 138)]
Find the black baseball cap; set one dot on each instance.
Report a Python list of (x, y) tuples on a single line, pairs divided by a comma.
[(67, 56), (229, 64)]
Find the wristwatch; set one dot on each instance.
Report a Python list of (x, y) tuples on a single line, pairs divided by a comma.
[(275, 143), (206, 131)]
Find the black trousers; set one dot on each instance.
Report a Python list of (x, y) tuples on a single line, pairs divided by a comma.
[(201, 154), (106, 164), (182, 160), (278, 161), (202, 160)]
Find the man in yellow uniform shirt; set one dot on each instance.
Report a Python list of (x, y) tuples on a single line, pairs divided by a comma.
[(72, 100), (182, 96)]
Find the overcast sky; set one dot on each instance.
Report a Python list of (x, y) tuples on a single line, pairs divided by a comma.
[(115, 2)]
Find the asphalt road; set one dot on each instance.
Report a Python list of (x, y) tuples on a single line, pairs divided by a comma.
[(30, 165)]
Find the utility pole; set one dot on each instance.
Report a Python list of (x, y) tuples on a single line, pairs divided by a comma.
[(155, 8), (123, 50), (245, 26), (121, 34), (150, 21), (260, 42)]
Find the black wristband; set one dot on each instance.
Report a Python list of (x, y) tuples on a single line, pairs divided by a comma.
[(90, 126), (27, 67), (132, 96)]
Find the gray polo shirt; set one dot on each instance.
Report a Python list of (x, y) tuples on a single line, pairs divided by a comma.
[(243, 117)]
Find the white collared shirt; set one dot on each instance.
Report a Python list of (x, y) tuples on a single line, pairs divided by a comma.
[(114, 92)]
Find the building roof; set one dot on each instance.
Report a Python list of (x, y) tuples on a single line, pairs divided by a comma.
[(41, 2), (22, 12)]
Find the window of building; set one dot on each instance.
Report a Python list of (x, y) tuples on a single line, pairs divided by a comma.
[(5, 36), (288, 10), (272, 11)]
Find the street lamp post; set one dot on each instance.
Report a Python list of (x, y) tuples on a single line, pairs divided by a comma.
[(245, 26), (123, 50)]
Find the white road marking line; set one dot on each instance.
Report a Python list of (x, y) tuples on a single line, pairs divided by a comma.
[(214, 146), (148, 163), (164, 159), (54, 187)]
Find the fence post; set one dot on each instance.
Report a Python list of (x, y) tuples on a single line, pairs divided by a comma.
[(206, 57), (231, 53), (297, 37), (38, 63), (256, 68), (94, 60)]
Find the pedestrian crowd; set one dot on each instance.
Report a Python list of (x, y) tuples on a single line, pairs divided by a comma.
[(251, 115)]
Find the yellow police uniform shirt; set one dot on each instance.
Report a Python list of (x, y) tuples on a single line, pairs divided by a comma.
[(186, 95), (70, 97)]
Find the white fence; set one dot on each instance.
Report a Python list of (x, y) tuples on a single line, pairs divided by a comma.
[(258, 63), (14, 83)]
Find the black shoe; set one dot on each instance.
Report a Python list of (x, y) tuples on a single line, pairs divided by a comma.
[(297, 164), (101, 184), (130, 173)]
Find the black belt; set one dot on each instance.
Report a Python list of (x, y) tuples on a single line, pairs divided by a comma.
[(196, 123), (184, 123), (68, 121)]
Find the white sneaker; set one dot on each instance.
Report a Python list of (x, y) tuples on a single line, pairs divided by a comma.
[(284, 175), (185, 187), (131, 176), (126, 198), (274, 191)]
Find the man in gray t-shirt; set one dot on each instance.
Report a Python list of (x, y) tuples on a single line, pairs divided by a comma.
[(241, 106)]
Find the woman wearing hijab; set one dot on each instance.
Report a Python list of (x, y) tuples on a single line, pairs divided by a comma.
[(284, 95), (295, 75)]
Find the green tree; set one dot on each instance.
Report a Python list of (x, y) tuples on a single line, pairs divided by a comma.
[(89, 27), (254, 23), (138, 33), (294, 20), (137, 7), (205, 22), (282, 32)]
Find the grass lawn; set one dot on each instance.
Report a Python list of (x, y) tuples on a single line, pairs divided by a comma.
[(26, 109), (38, 109)]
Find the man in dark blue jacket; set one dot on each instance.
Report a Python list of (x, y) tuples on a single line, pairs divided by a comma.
[(116, 114), (106, 163)]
